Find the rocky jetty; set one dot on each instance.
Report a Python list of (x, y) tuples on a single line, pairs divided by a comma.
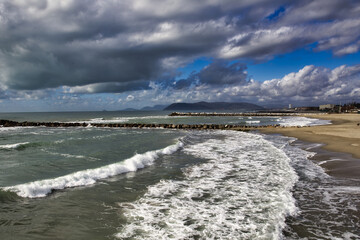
[(8, 123), (203, 114)]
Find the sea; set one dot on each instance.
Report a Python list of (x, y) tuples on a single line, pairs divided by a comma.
[(130, 183)]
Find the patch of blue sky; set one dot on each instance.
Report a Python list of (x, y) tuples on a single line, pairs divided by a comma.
[(194, 66), (278, 12), (283, 64)]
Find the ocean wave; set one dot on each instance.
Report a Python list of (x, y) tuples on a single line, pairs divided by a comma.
[(87, 177), (252, 122), (14, 146), (8, 129), (301, 121), (7, 196), (319, 194), (243, 191)]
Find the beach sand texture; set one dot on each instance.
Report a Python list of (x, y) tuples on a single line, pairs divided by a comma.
[(343, 135)]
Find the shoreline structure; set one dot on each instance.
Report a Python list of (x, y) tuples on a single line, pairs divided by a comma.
[(9, 123), (250, 114)]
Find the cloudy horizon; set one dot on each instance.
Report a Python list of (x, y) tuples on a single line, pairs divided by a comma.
[(68, 55)]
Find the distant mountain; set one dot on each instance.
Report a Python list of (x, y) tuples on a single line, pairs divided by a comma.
[(147, 108), (129, 109), (154, 108), (212, 106)]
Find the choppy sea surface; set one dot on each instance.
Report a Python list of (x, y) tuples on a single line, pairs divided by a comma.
[(108, 183)]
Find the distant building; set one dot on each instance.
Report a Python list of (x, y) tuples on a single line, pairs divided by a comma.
[(352, 107), (307, 109), (353, 111), (326, 107)]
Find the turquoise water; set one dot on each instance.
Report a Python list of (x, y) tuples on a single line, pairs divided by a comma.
[(102, 183)]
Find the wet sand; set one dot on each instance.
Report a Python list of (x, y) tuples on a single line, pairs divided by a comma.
[(340, 140)]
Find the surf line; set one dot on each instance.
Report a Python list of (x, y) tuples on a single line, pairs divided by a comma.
[(42, 188)]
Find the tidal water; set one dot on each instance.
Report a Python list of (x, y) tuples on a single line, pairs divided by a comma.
[(108, 183)]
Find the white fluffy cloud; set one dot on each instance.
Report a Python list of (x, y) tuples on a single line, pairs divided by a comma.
[(310, 84)]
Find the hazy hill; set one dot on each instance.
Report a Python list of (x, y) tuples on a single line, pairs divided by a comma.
[(154, 108)]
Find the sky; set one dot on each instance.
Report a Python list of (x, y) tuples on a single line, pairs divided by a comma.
[(71, 55)]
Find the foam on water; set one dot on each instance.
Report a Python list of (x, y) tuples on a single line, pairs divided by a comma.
[(14, 146), (124, 119), (328, 207), (301, 121), (7, 129), (87, 177), (241, 192), (252, 122)]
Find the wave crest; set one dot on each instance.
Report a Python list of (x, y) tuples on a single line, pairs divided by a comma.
[(42, 188), (14, 146)]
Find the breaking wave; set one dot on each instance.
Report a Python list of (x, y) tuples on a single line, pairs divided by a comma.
[(243, 191), (301, 121), (14, 146), (87, 177)]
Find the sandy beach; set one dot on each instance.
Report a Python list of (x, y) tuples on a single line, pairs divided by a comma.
[(342, 138)]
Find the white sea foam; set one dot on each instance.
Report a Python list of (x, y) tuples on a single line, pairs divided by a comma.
[(102, 120), (252, 122), (124, 119), (331, 160), (302, 121), (87, 177), (13, 146), (319, 194), (71, 155), (241, 192), (7, 129)]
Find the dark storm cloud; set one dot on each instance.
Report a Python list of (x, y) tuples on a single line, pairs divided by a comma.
[(217, 73), (72, 43), (332, 24), (109, 87), (221, 73), (317, 11), (93, 46)]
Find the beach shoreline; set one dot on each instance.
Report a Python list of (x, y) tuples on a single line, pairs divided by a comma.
[(339, 143)]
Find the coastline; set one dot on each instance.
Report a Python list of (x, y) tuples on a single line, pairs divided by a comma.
[(342, 136), (254, 178), (339, 151)]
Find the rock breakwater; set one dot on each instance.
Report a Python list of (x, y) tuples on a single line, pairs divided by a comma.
[(202, 114), (9, 123)]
